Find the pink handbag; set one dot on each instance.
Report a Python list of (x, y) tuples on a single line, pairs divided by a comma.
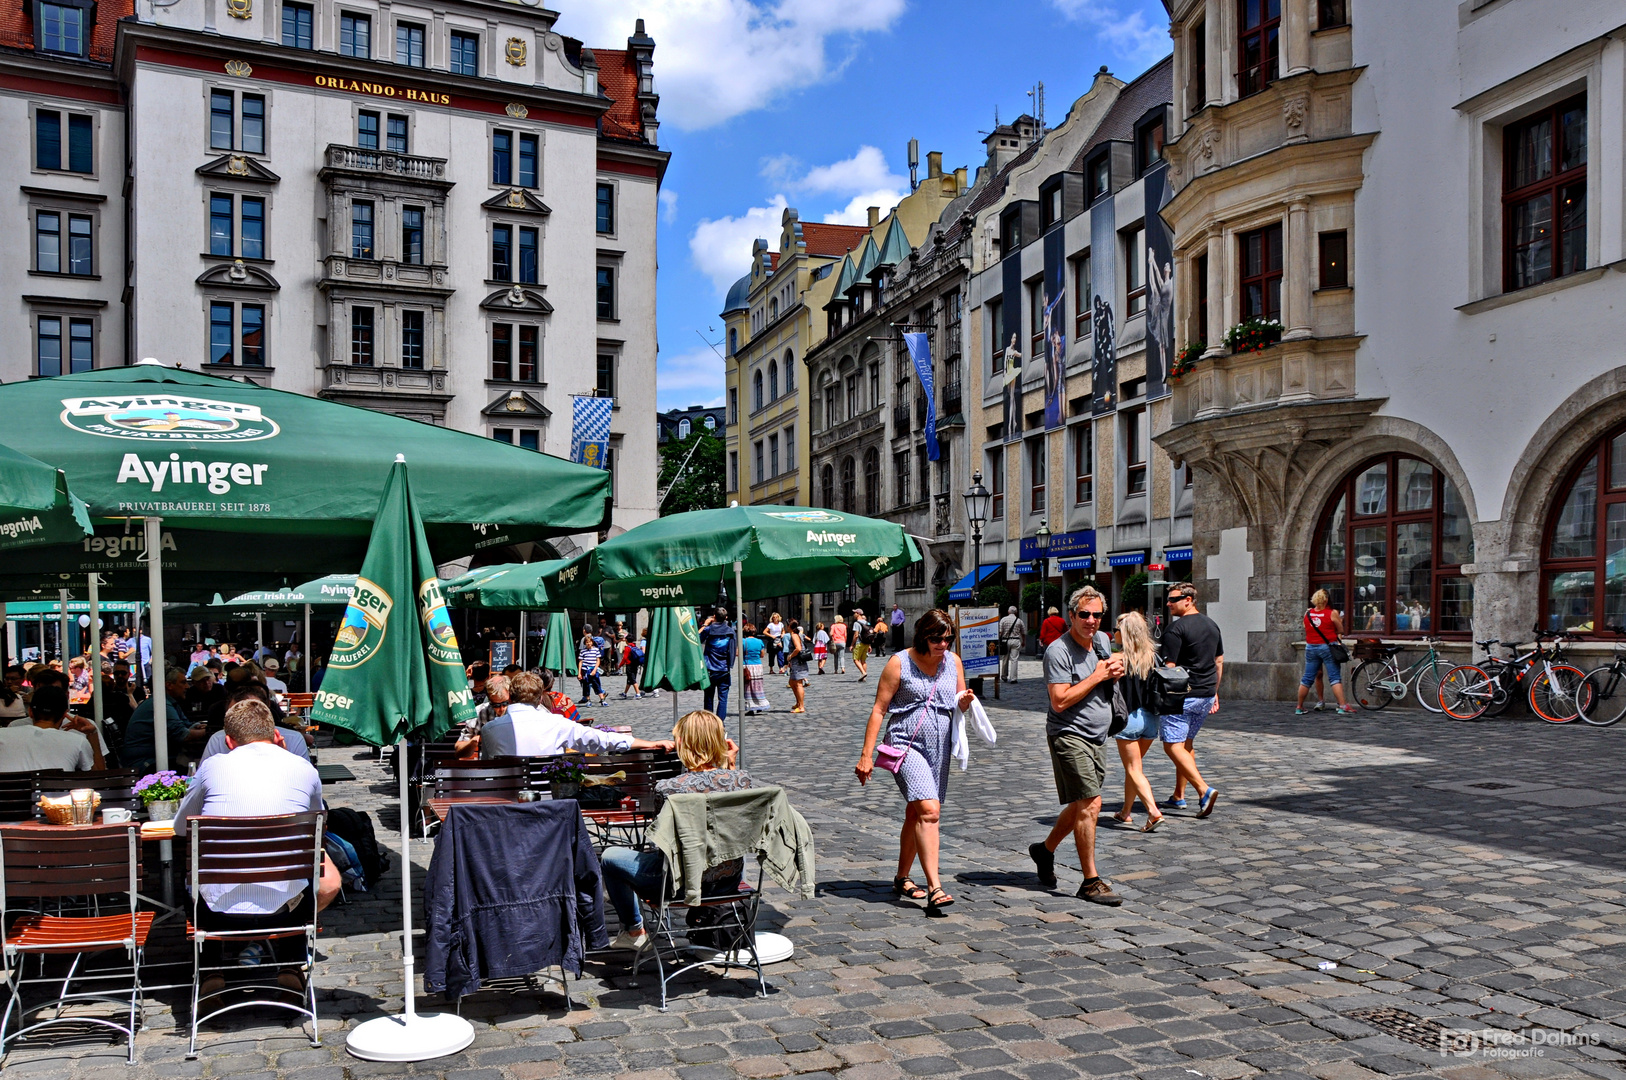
[(889, 757)]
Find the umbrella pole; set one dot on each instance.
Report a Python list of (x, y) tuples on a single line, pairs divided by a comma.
[(153, 535), (305, 658), (62, 630), (739, 662), (259, 634), (522, 640), (94, 583)]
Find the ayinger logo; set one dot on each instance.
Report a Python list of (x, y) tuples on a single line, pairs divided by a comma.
[(432, 610), (365, 620), (167, 417)]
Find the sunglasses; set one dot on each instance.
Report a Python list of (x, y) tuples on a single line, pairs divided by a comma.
[(937, 639), (1082, 614)]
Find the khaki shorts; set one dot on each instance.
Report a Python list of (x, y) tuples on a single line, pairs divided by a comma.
[(860, 653), (1079, 766)]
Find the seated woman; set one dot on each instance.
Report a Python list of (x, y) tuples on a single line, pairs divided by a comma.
[(708, 757)]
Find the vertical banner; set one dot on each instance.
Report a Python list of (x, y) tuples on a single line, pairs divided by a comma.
[(1055, 327), (1011, 312), (1160, 344), (920, 351), (590, 430), (1104, 322)]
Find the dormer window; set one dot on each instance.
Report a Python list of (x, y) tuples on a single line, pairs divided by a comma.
[(1148, 145), (1050, 205), (1010, 230), (63, 27), (1098, 174)]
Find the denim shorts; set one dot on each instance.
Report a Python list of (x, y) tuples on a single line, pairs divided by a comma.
[(1143, 724), (1177, 729), (1319, 658)]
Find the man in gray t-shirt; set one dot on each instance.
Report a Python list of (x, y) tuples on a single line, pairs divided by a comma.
[(1079, 670)]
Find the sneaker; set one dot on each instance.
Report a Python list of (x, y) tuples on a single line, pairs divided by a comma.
[(1044, 861), (1097, 891), (1178, 804), (1300, 712), (625, 941), (1205, 805)]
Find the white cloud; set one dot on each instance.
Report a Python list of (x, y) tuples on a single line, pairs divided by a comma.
[(866, 170), (721, 248), (1140, 39), (669, 204), (856, 212), (694, 377), (717, 59)]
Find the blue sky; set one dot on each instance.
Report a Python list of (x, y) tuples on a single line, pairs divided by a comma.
[(811, 103)]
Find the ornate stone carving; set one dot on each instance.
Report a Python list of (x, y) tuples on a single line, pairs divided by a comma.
[(240, 9), (516, 198), (237, 165), (239, 69), (1293, 112), (516, 110), (1207, 144), (515, 51), (238, 271)]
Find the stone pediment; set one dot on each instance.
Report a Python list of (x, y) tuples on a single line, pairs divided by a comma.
[(518, 300), (516, 403), (238, 275), (517, 201), (238, 167)]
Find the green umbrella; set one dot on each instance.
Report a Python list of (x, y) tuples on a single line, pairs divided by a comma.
[(559, 647), (396, 671), (333, 590), (511, 586), (674, 660), (36, 506)]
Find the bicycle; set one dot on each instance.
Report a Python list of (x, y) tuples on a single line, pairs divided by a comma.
[(1608, 688), (1380, 680), (1558, 693)]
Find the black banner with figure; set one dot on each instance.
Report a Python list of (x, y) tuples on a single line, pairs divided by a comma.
[(1160, 344), (1104, 274), (1055, 327)]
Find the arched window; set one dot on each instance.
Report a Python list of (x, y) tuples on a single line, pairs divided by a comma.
[(827, 481), (1583, 583), (872, 482), (773, 380), (790, 371), (773, 308), (1390, 550), (849, 484), (756, 390), (683, 429), (710, 422), (733, 340)]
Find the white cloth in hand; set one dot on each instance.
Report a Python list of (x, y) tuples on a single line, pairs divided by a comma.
[(961, 751)]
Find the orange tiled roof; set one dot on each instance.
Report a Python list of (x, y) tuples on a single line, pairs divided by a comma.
[(618, 80), (832, 240), (17, 27)]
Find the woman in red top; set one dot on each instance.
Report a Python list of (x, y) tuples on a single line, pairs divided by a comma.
[(1322, 627), (1052, 628)]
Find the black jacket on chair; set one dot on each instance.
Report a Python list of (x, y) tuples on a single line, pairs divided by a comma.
[(513, 889)]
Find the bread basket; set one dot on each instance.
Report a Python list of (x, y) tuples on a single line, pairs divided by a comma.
[(58, 809)]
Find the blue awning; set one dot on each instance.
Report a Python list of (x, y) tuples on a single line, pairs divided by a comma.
[(962, 589), (1132, 558), (1076, 564), (1024, 568), (1177, 555)]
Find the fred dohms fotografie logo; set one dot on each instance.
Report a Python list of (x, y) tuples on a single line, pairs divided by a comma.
[(361, 633), (167, 418), (1498, 1043)]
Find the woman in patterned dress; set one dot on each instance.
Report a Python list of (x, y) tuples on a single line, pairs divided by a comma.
[(916, 695)]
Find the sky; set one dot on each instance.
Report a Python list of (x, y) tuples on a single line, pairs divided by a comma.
[(811, 103)]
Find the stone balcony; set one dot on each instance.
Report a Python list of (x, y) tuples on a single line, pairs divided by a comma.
[(1289, 373), (861, 424), (359, 161)]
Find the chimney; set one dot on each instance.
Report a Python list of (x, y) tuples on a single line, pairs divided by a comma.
[(934, 164), (874, 215), (959, 180)]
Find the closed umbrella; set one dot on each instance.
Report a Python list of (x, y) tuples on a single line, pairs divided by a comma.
[(673, 660), (396, 671), (559, 647)]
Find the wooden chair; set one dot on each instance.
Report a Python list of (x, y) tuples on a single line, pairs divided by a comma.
[(246, 850), (42, 862), (116, 786), (497, 777), (17, 798)]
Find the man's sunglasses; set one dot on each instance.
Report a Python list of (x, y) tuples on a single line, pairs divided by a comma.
[(1082, 614)]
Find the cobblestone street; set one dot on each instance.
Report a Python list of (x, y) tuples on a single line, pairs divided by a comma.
[(1467, 876)]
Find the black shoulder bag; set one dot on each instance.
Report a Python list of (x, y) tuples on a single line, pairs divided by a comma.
[(1340, 654)]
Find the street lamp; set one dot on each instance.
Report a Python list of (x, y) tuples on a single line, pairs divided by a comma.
[(976, 514), (1041, 545)]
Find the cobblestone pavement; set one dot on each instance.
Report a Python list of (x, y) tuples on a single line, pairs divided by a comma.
[(1461, 876)]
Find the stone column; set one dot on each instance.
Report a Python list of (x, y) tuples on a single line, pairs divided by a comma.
[(1295, 54), (1219, 277), (1296, 278)]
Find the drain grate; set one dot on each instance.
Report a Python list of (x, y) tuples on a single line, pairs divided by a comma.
[(1402, 1025), (1490, 786)]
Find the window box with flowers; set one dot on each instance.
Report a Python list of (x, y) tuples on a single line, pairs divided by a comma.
[(1253, 335), (1185, 360)]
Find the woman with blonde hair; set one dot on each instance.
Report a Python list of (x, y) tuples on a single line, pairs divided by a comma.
[(838, 644), (708, 757), (1322, 627), (1139, 657)]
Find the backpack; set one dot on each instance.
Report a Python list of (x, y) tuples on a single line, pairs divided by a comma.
[(637, 656), (1120, 708), (356, 828), (1169, 689)]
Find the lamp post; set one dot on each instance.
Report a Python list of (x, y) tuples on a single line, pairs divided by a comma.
[(1041, 545), (976, 515)]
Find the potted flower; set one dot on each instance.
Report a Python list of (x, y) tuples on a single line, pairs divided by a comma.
[(1185, 360), (1253, 335), (161, 794), (564, 778)]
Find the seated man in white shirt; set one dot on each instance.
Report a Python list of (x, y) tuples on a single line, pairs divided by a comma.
[(257, 778), (528, 729), (46, 743), (272, 683)]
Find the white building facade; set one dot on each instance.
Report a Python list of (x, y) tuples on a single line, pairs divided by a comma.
[(444, 212)]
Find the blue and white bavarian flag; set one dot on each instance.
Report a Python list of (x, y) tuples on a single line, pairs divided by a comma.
[(590, 430), (920, 351)]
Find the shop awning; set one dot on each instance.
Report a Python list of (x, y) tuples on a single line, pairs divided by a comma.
[(965, 587), (1076, 564), (1128, 558), (1177, 555)]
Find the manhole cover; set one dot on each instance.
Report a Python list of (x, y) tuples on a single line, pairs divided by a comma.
[(1491, 786), (1402, 1025)]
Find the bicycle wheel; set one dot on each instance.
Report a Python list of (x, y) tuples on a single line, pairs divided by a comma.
[(1368, 684), (1557, 694), (1465, 692), (1608, 697), (1428, 685)]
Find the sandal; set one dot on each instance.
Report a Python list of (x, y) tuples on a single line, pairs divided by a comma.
[(1124, 819), (937, 901), (902, 886), (1152, 824)]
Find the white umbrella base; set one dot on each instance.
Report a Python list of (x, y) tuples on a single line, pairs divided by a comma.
[(419, 1037), (771, 949)]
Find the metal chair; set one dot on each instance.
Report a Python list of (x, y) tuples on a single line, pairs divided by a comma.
[(497, 777), (247, 850), (51, 863)]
